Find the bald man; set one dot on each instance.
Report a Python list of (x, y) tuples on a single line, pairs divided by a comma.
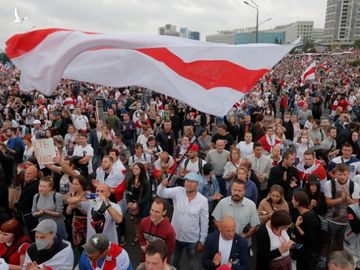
[(28, 191), (234, 249), (102, 214)]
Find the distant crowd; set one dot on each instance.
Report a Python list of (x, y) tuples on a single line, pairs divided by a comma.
[(273, 184)]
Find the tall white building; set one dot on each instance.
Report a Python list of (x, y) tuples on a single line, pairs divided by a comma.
[(303, 29), (342, 21)]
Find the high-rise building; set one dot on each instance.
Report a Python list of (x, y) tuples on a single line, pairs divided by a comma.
[(168, 30), (185, 32), (195, 35), (342, 21), (244, 36), (293, 31)]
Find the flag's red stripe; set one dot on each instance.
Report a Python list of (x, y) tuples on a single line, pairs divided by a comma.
[(309, 72), (208, 73), (20, 44)]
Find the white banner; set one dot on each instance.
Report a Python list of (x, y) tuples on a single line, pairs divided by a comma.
[(44, 151)]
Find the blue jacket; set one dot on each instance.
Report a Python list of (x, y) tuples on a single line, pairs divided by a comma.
[(239, 253), (208, 189)]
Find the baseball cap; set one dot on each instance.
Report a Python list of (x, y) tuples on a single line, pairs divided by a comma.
[(97, 242), (46, 226), (36, 122), (191, 176), (194, 148)]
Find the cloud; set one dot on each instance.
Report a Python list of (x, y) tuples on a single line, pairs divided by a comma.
[(145, 16)]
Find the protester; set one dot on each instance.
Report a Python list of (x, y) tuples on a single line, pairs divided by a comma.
[(99, 252), (157, 227), (190, 209), (274, 242), (225, 247), (48, 251)]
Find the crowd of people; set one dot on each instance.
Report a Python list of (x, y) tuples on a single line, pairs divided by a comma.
[(275, 181)]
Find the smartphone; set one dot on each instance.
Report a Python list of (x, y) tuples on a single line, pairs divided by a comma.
[(91, 196), (297, 246)]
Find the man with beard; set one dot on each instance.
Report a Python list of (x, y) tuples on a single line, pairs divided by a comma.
[(285, 174), (102, 214), (192, 163), (115, 179), (241, 209), (157, 227), (190, 218)]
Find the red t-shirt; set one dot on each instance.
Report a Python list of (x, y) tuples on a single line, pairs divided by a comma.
[(13, 258)]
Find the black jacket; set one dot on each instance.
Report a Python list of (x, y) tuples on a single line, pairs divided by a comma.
[(264, 255), (238, 254), (276, 177), (24, 205)]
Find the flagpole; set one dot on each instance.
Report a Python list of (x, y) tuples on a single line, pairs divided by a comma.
[(187, 150)]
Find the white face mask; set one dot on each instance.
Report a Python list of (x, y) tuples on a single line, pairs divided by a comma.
[(304, 140), (42, 244)]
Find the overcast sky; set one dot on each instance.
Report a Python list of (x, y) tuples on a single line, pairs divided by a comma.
[(145, 16)]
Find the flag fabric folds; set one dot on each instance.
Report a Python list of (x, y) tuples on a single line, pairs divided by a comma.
[(207, 76), (309, 73)]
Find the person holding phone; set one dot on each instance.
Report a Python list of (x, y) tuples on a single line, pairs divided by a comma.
[(307, 229), (274, 243)]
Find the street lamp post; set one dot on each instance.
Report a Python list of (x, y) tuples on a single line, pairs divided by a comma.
[(256, 7)]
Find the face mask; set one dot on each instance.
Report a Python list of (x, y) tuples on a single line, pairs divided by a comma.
[(286, 120), (42, 244), (304, 140)]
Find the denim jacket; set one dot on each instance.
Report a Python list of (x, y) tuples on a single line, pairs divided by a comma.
[(208, 189)]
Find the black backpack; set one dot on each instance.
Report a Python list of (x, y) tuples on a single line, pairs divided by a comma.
[(333, 188), (199, 164)]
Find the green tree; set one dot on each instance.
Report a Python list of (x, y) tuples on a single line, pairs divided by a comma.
[(4, 58), (356, 44), (308, 45)]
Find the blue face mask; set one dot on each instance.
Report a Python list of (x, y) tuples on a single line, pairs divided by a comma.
[(42, 244)]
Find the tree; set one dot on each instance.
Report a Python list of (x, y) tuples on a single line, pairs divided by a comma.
[(356, 44), (4, 58), (308, 45)]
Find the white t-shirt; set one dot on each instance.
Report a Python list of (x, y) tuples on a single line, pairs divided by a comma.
[(110, 225), (225, 248), (80, 121), (245, 149), (192, 167), (80, 151)]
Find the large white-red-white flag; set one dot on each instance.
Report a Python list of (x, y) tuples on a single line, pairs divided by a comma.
[(207, 76), (309, 73)]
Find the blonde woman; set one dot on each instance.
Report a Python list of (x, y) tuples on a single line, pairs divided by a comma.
[(231, 166), (273, 202)]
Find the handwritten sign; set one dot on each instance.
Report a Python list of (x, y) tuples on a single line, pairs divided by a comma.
[(44, 151)]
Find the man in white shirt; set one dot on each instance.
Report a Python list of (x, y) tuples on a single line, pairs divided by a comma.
[(190, 218), (85, 151), (246, 147), (102, 214), (80, 121), (192, 163), (115, 179)]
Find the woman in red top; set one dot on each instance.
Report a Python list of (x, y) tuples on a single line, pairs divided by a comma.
[(13, 244)]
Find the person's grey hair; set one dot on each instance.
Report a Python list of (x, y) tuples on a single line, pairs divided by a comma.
[(341, 259)]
